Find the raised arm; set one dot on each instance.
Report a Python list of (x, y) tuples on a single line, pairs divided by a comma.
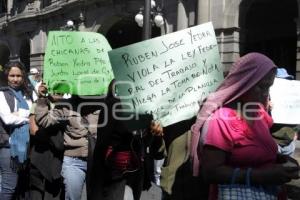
[(46, 117)]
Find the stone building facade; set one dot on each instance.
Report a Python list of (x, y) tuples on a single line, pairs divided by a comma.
[(241, 26)]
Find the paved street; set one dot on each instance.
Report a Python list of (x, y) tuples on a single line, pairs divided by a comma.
[(153, 194)]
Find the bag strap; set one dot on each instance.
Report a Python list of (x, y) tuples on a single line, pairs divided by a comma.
[(234, 175), (248, 176)]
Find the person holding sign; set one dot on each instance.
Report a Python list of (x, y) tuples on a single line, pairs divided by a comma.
[(284, 134), (46, 156), (76, 133), (34, 77), (123, 153), (232, 132), (16, 99)]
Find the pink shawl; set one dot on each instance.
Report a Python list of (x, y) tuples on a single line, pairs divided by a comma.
[(244, 74)]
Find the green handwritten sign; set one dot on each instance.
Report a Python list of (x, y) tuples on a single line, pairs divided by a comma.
[(168, 75), (77, 63)]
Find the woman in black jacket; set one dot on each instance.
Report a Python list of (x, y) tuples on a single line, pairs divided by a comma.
[(123, 153)]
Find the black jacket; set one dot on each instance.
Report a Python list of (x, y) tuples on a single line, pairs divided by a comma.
[(119, 135)]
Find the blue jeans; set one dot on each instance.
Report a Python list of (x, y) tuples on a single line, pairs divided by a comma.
[(74, 174), (9, 177)]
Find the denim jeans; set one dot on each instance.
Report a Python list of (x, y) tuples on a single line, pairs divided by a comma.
[(157, 170), (9, 178), (288, 149), (74, 174), (128, 194)]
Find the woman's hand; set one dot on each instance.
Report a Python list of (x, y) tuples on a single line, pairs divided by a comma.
[(282, 174), (33, 127), (156, 129), (277, 174), (286, 169)]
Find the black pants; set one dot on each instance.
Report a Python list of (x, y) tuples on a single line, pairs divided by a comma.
[(114, 189), (186, 186), (42, 189)]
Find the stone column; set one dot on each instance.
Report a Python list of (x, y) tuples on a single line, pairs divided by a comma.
[(182, 19), (38, 44), (81, 23), (9, 6), (203, 11)]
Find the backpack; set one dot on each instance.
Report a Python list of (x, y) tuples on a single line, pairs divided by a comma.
[(5, 129)]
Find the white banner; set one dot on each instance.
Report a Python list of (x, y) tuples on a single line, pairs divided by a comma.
[(285, 98)]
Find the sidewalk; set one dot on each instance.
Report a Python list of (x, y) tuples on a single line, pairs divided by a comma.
[(293, 187), (154, 193)]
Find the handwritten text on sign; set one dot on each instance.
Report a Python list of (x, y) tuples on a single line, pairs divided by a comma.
[(285, 98), (168, 75), (77, 63)]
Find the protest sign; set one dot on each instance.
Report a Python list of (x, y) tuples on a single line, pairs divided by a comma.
[(168, 75), (77, 63), (285, 98)]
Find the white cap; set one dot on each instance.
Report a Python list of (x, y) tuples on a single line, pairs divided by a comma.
[(34, 71)]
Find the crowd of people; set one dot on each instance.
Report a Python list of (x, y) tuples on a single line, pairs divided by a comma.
[(52, 148)]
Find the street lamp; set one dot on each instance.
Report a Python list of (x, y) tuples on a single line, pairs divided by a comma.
[(69, 26), (149, 14), (159, 20), (70, 23)]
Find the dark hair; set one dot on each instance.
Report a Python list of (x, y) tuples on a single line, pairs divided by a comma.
[(111, 89), (25, 86)]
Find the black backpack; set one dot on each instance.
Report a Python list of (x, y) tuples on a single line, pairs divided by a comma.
[(5, 129)]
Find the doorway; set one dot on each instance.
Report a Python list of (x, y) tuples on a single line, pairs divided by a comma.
[(269, 27), (25, 54)]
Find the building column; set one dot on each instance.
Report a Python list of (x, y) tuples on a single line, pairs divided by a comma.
[(203, 11), (81, 23), (38, 44), (9, 6), (37, 61), (182, 19)]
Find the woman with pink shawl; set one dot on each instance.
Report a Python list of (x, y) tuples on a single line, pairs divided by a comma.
[(232, 129)]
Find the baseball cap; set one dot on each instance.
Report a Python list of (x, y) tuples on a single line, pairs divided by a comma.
[(34, 71), (282, 73)]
